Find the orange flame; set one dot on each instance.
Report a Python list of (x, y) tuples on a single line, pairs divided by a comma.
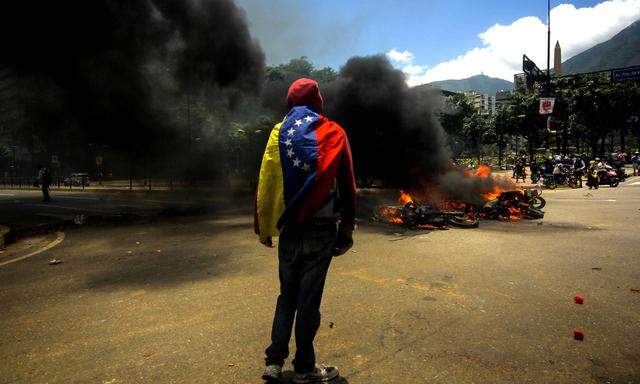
[(404, 198), (391, 215), (483, 171)]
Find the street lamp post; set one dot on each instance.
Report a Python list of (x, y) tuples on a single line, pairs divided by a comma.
[(548, 41)]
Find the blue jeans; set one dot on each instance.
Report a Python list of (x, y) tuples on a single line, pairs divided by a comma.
[(304, 253)]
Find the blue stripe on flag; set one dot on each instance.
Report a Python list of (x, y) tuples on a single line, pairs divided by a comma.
[(298, 152)]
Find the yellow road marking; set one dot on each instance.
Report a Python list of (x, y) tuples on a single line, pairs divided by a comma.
[(59, 239)]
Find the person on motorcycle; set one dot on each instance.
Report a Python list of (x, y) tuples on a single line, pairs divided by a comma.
[(548, 166), (559, 173), (534, 167), (593, 180), (578, 166)]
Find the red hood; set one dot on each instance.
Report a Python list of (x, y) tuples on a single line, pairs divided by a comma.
[(305, 92)]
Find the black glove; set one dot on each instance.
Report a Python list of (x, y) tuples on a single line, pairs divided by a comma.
[(344, 241)]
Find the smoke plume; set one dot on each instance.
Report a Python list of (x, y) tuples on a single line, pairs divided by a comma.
[(113, 72), (394, 129)]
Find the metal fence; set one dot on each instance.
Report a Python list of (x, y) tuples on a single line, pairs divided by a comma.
[(126, 184)]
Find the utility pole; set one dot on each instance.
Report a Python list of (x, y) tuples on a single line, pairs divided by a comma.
[(548, 42)]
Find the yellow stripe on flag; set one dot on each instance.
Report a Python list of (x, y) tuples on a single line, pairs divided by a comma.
[(270, 202)]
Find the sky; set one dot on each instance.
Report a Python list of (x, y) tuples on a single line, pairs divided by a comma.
[(434, 40)]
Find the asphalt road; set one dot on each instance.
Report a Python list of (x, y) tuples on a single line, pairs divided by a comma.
[(19, 207), (191, 301)]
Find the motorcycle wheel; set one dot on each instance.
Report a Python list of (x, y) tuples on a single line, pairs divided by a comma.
[(534, 214), (550, 184), (538, 202), (463, 221), (614, 183), (573, 183)]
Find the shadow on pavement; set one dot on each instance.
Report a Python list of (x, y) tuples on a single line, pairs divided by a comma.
[(173, 253), (287, 378)]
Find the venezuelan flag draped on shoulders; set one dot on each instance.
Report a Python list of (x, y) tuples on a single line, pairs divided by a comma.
[(306, 156)]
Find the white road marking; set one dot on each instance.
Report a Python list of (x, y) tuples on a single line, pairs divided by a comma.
[(7, 194), (59, 239), (636, 183)]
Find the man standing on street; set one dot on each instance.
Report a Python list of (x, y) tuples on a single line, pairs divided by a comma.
[(44, 178), (306, 195)]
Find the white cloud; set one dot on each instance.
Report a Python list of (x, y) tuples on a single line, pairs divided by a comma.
[(500, 54), (414, 70), (404, 57)]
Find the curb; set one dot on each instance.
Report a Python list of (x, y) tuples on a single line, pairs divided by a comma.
[(4, 234)]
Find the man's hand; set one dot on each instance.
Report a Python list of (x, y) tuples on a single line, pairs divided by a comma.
[(344, 241), (268, 242)]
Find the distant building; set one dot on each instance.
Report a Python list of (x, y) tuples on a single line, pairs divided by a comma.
[(504, 99), (557, 60), (520, 82), (482, 103)]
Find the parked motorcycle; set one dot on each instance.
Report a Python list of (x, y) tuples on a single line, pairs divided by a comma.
[(609, 177), (621, 174), (553, 181), (534, 198)]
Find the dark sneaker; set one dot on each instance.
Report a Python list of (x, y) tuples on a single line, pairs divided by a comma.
[(272, 374), (319, 374)]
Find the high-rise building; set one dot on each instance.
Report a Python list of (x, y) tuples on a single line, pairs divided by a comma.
[(482, 103), (557, 60)]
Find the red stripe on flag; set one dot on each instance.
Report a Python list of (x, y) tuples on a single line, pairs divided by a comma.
[(331, 140)]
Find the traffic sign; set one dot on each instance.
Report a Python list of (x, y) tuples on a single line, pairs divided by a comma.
[(546, 105), (631, 73)]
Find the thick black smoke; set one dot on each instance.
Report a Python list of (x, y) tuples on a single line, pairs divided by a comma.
[(395, 132), (109, 72), (394, 129)]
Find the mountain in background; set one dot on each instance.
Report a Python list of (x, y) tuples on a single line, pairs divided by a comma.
[(479, 83), (622, 50)]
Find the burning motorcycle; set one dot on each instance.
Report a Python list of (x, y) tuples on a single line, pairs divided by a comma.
[(425, 216), (512, 205)]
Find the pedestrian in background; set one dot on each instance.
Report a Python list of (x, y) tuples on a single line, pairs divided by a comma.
[(306, 195), (519, 170), (44, 178), (635, 161)]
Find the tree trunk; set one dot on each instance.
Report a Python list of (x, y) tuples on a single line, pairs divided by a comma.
[(500, 151), (611, 144), (593, 143), (623, 143)]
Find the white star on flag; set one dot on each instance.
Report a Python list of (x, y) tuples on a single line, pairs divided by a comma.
[(291, 131), (296, 163), (298, 123), (287, 142), (308, 119), (306, 167), (290, 152)]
